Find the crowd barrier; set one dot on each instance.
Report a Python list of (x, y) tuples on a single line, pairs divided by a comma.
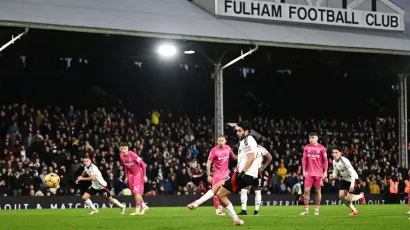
[(75, 202)]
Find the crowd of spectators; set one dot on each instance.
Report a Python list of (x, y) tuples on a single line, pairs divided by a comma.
[(35, 141)]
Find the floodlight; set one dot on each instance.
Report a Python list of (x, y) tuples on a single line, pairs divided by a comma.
[(167, 50)]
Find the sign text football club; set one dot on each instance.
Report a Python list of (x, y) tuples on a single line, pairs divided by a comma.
[(265, 10)]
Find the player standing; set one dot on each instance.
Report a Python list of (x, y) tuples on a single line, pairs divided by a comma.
[(98, 186), (407, 189), (243, 176), (219, 155), (343, 167), (314, 165), (262, 153), (135, 170)]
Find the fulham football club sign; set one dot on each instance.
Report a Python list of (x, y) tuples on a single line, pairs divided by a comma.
[(357, 13)]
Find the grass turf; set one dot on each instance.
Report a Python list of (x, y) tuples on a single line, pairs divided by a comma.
[(273, 217)]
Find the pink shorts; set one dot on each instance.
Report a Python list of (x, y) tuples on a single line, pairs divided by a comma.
[(317, 181), (215, 180), (136, 185)]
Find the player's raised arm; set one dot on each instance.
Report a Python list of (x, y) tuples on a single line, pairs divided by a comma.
[(325, 162), (304, 161)]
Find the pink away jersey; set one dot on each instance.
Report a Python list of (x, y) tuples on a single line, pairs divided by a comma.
[(134, 166), (220, 157), (314, 161)]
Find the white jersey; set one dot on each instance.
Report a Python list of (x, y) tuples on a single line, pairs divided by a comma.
[(344, 168), (261, 153), (248, 145), (99, 182)]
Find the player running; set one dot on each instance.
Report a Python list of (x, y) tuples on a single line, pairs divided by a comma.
[(98, 186), (135, 170), (219, 155), (243, 176), (343, 167), (262, 153), (314, 165)]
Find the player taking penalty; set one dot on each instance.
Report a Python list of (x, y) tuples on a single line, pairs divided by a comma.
[(219, 156), (343, 167), (243, 176), (98, 186), (135, 170), (262, 153), (314, 165)]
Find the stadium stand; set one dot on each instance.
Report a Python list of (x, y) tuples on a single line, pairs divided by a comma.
[(39, 140)]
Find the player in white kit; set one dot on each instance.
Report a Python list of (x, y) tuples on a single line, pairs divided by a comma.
[(343, 168), (257, 186), (98, 186)]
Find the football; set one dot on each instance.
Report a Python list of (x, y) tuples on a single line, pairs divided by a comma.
[(52, 180)]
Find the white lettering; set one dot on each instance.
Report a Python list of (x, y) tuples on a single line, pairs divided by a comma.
[(76, 205), (39, 206), (327, 202), (267, 203), (63, 206), (334, 202), (7, 205), (287, 203), (370, 202), (110, 205), (96, 205), (103, 205), (402, 202), (277, 11), (25, 206), (70, 205), (53, 206)]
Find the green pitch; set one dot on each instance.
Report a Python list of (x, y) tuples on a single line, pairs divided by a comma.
[(331, 217)]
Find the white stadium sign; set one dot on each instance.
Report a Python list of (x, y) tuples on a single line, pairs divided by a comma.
[(276, 11)]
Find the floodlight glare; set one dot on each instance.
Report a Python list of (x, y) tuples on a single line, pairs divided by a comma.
[(189, 52), (167, 50)]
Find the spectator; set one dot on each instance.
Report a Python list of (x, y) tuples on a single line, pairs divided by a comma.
[(282, 171), (374, 188)]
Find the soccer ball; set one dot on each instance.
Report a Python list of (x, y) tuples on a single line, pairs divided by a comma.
[(52, 180)]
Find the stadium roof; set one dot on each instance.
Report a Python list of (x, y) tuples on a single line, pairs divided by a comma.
[(181, 19)]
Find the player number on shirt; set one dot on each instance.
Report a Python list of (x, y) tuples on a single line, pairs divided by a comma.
[(136, 188)]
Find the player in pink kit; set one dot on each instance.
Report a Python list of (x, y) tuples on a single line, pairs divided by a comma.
[(314, 165), (135, 170), (219, 155)]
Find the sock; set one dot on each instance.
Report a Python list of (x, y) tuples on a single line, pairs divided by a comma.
[(352, 207), (356, 197), (231, 212), (258, 199), (346, 202), (317, 208), (116, 202), (306, 207), (244, 198), (90, 203), (208, 195), (217, 204)]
